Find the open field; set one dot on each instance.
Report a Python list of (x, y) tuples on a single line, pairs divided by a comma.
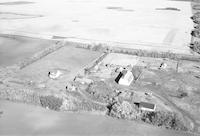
[(69, 60), (21, 119), (15, 48), (28, 80), (136, 24)]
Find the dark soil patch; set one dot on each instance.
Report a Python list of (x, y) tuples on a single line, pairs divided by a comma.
[(120, 9), (169, 8), (16, 3), (13, 15)]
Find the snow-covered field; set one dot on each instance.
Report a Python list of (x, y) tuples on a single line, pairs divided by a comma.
[(138, 23)]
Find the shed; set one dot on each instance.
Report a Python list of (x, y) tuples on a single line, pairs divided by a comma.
[(54, 74), (147, 106), (163, 65)]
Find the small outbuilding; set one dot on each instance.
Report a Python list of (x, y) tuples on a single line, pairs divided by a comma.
[(54, 74), (145, 106), (124, 78), (163, 65)]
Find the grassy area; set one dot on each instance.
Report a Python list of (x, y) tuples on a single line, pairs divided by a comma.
[(16, 49), (51, 102), (40, 55), (20, 95)]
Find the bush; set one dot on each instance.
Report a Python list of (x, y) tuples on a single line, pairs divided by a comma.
[(100, 91), (98, 47), (164, 119), (89, 106), (197, 26), (196, 18), (51, 102), (195, 47), (122, 110), (195, 33)]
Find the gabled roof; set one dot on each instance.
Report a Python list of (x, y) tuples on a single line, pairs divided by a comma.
[(124, 72), (121, 75)]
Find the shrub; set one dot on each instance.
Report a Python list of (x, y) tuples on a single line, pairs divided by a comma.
[(123, 110), (168, 120), (197, 26), (51, 102), (195, 33), (195, 47), (100, 91), (89, 106), (181, 93), (98, 47)]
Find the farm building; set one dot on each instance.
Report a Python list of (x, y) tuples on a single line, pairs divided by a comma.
[(124, 78), (54, 74), (163, 65), (147, 106)]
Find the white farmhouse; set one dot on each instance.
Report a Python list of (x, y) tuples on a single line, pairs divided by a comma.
[(124, 78)]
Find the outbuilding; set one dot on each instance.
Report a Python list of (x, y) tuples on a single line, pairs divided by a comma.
[(124, 78), (163, 65), (54, 74), (145, 106)]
